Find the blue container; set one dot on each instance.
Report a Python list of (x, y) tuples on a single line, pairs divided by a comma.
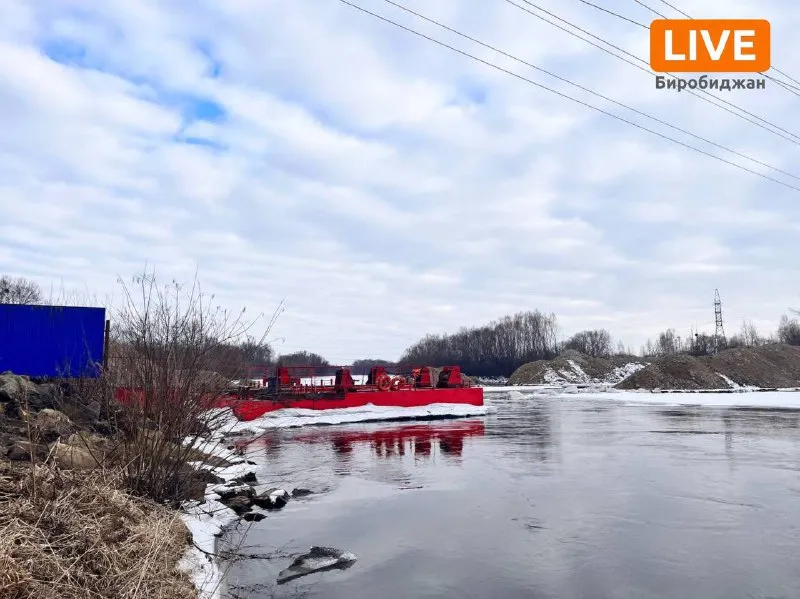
[(51, 341)]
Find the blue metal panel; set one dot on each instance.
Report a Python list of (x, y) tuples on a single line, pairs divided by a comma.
[(51, 341)]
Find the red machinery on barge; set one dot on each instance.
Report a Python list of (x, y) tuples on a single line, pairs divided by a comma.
[(289, 390)]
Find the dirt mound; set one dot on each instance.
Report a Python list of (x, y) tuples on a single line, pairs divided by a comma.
[(767, 366), (675, 372), (574, 367)]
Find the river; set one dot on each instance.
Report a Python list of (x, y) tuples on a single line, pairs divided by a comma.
[(547, 498)]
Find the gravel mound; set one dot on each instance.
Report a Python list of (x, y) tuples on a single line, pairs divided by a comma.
[(769, 366)]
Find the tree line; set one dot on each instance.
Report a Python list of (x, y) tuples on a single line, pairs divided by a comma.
[(495, 349)]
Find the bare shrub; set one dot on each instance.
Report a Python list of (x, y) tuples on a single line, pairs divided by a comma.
[(167, 341)]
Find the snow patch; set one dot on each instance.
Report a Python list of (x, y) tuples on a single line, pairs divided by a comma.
[(206, 522), (620, 373), (576, 375), (294, 417)]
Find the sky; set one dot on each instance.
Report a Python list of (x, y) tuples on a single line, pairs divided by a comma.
[(384, 187)]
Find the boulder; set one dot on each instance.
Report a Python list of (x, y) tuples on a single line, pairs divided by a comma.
[(20, 389), (52, 424), (239, 504), (301, 492), (73, 458), (89, 441), (22, 450), (247, 479), (226, 495), (272, 499), (92, 410), (15, 387), (208, 477), (253, 517)]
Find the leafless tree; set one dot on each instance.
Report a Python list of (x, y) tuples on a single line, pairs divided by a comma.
[(595, 343), (668, 343), (496, 349), (789, 331), (19, 291)]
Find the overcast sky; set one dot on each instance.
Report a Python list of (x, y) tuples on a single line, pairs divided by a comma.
[(384, 186)]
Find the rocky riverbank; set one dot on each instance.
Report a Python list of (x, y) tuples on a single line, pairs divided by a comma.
[(70, 525)]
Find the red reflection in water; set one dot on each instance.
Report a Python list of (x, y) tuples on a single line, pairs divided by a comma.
[(385, 442)]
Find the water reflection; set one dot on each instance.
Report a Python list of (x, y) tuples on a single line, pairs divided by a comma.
[(418, 442)]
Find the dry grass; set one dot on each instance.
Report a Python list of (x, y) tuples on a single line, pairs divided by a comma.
[(77, 535)]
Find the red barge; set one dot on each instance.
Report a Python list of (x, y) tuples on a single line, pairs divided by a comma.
[(287, 389)]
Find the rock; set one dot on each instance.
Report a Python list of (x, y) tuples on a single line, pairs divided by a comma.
[(317, 559), (247, 479), (52, 424), (253, 517), (20, 389), (73, 458), (22, 450), (93, 410), (11, 409), (209, 477), (301, 492), (272, 499), (15, 387), (239, 504), (226, 495), (88, 441)]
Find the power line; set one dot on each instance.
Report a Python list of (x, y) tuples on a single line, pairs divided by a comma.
[(787, 86), (675, 8), (586, 89), (706, 97), (611, 12), (566, 96), (650, 8)]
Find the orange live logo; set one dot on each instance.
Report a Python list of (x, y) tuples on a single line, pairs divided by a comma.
[(710, 45)]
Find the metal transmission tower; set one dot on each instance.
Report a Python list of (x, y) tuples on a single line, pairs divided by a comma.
[(719, 334)]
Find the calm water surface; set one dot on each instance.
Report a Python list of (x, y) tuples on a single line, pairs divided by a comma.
[(560, 498)]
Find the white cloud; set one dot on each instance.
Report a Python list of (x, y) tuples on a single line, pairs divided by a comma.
[(384, 186)]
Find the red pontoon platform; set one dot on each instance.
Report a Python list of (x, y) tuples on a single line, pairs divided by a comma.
[(299, 387)]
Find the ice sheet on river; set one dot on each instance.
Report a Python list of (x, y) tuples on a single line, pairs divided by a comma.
[(786, 398), (292, 417)]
